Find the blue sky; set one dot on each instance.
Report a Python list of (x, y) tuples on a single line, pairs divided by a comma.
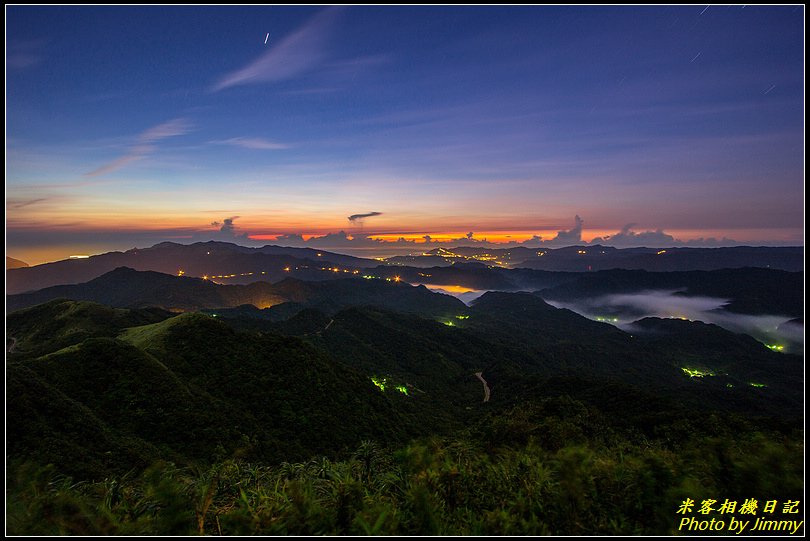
[(131, 125)]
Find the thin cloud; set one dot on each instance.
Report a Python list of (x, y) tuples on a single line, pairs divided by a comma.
[(20, 60), (18, 204), (253, 143), (144, 147), (178, 126), (630, 307), (300, 52), (355, 217), (25, 54), (114, 165)]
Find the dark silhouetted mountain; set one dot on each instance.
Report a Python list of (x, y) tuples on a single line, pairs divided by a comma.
[(12, 263), (525, 312), (559, 341), (597, 257), (229, 263), (749, 290), (473, 276), (460, 254), (98, 391), (329, 297), (733, 360), (155, 412), (128, 288), (432, 359)]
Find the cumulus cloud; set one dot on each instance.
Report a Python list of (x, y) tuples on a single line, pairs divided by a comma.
[(227, 225), (655, 239), (569, 237), (624, 238), (293, 239), (144, 145), (342, 239), (710, 242), (226, 232), (300, 52), (627, 237)]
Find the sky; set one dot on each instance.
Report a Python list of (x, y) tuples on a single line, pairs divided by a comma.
[(383, 128)]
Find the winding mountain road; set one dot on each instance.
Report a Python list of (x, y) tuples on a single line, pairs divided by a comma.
[(486, 387)]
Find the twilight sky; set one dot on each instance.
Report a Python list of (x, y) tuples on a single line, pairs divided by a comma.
[(657, 125)]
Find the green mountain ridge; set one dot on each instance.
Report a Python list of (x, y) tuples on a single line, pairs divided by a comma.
[(190, 388), (356, 417)]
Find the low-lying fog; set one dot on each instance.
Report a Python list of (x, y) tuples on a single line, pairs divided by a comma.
[(623, 309)]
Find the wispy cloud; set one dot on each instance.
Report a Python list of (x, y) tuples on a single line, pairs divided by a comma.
[(178, 126), (144, 146), (114, 165), (254, 143), (24, 54), (298, 53), (630, 307), (18, 204)]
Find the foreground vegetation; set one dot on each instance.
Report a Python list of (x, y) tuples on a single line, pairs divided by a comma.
[(138, 421), (509, 475)]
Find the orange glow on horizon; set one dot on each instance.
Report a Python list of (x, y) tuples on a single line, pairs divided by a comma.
[(495, 237), (55, 251), (450, 288)]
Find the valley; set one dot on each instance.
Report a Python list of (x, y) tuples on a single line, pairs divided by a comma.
[(137, 370)]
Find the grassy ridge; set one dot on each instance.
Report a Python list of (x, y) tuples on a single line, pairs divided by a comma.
[(140, 422), (504, 477)]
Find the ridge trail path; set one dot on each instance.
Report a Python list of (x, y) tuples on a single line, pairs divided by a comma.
[(486, 387), (318, 333)]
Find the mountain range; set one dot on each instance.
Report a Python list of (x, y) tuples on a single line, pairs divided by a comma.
[(597, 257), (471, 267), (371, 403), (429, 344)]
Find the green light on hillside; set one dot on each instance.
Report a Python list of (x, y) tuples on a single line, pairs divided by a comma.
[(402, 389), (449, 323), (774, 347), (607, 319), (379, 383), (756, 384), (462, 317), (696, 372), (729, 385)]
